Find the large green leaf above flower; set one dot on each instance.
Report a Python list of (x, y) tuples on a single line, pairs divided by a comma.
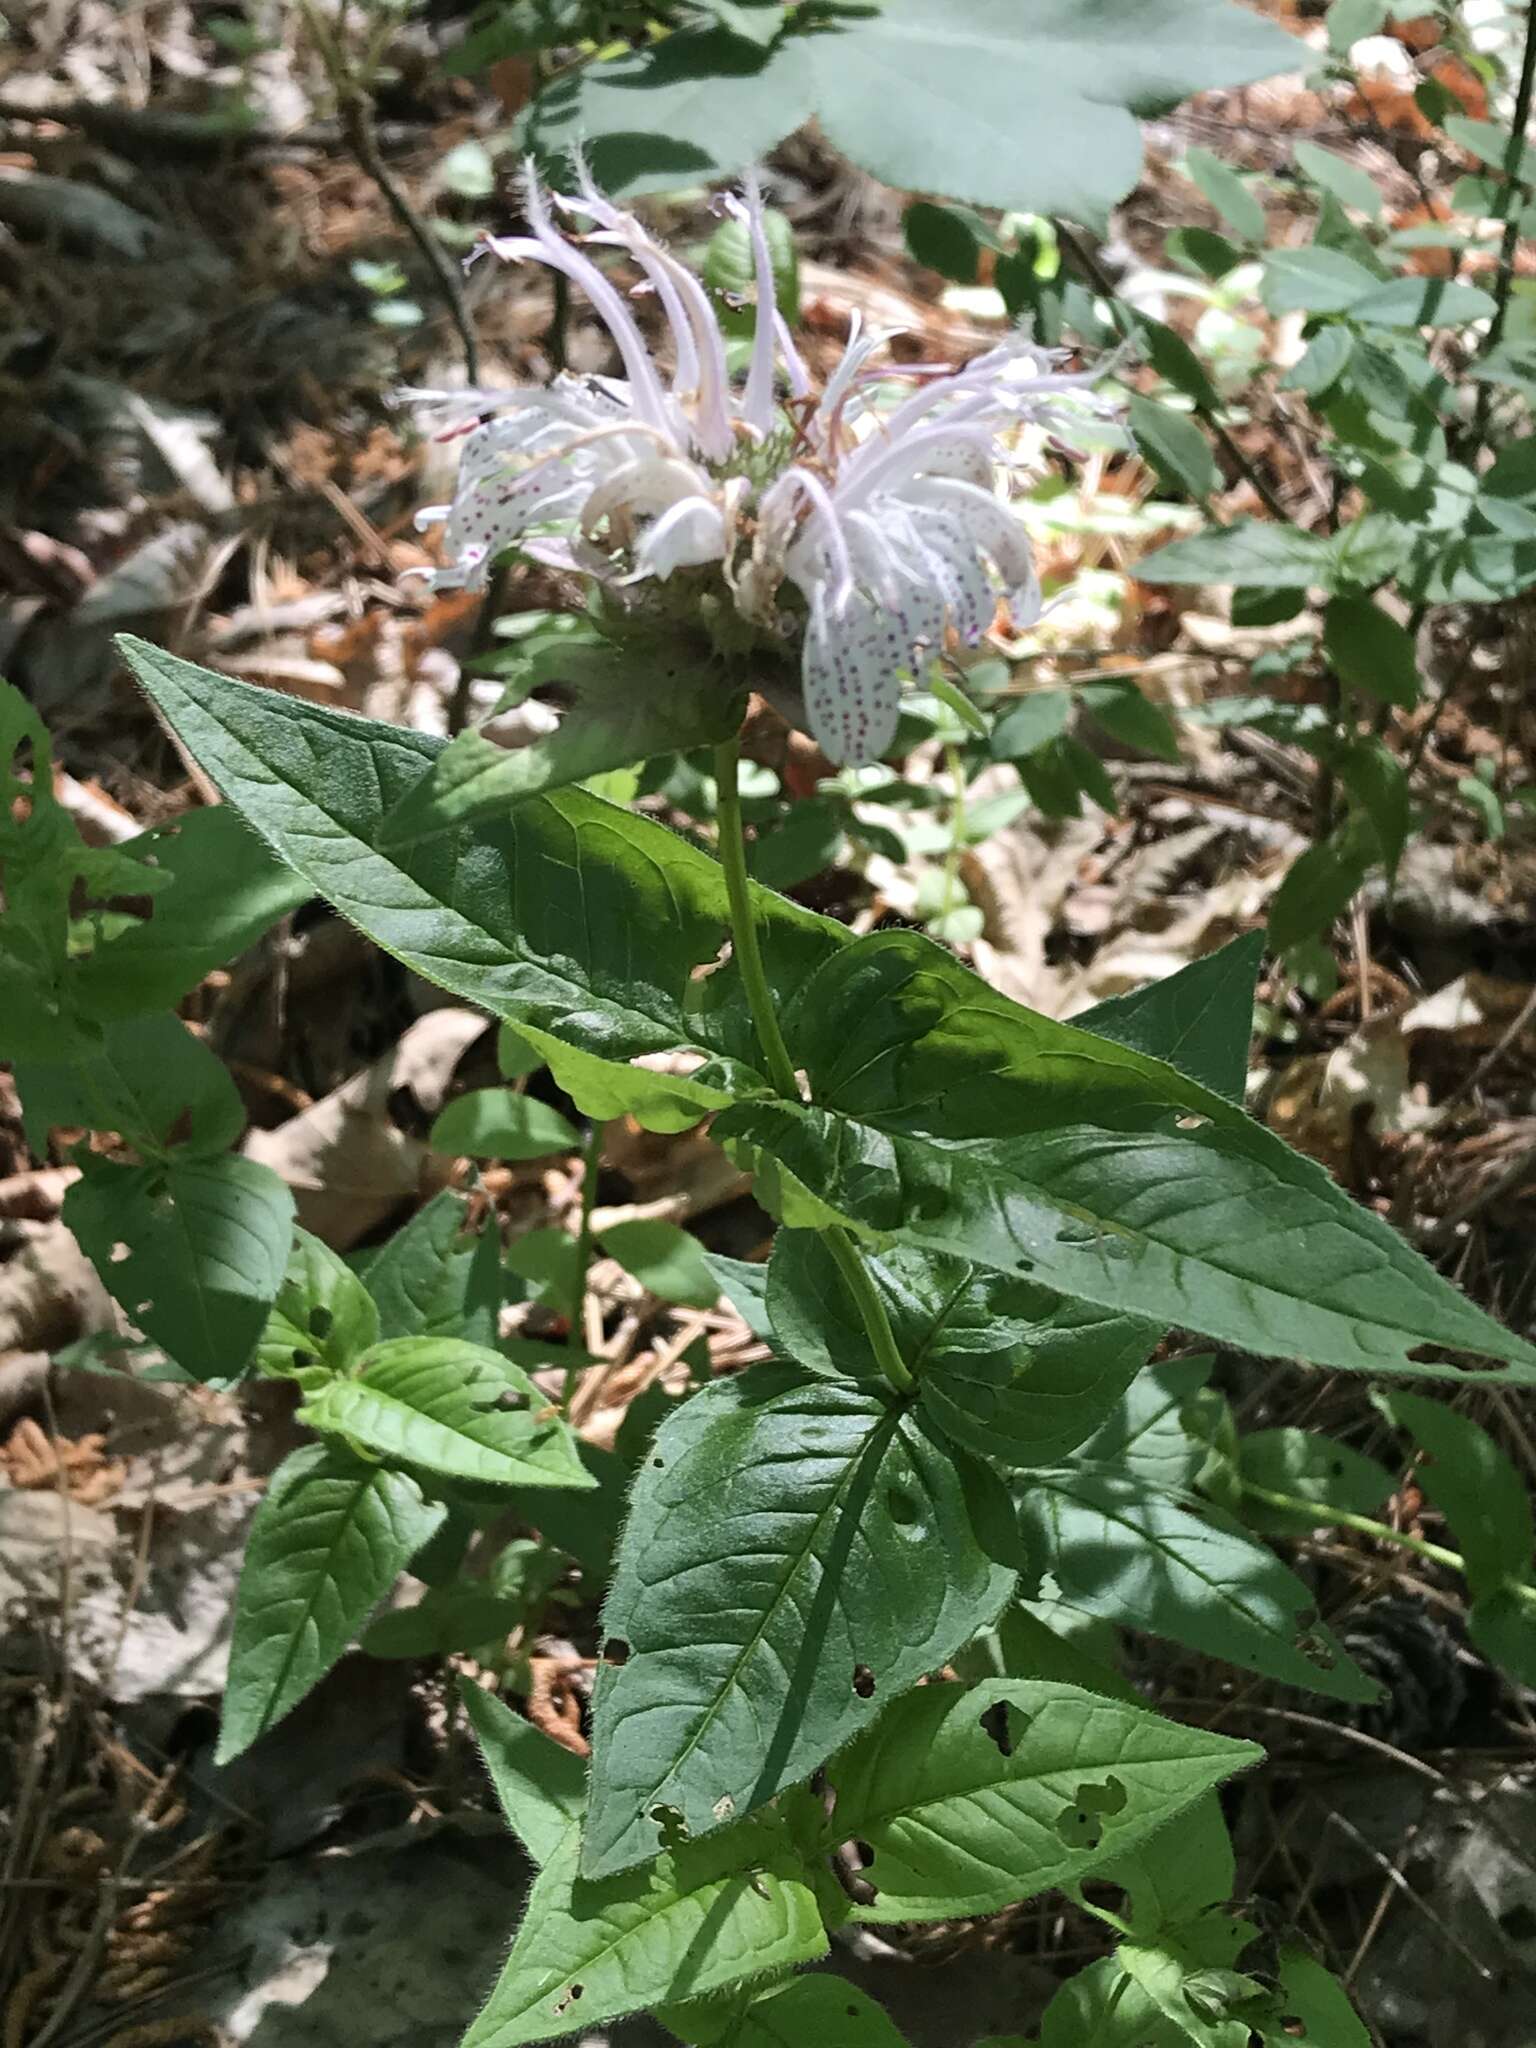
[(1027, 104)]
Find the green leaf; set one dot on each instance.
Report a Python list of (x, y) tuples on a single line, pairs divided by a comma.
[(453, 1408), (796, 1554), (942, 238), (1493, 144), (548, 1259), (1422, 302), (730, 271), (744, 1283), (1146, 1438), (1473, 1484), (498, 1123), (886, 84), (445, 1618), (329, 1540), (149, 1079), (974, 1797), (569, 915), (427, 1282), (1320, 885), (625, 708), (1228, 193), (1191, 1996), (194, 1250), (1370, 651), (1315, 1997), (1378, 782), (802, 844), (224, 890), (1128, 1552), (1128, 716), (323, 1315), (1350, 20), (817, 2011), (1249, 551), (1312, 1466), (542, 1787), (1319, 369), (665, 1258), (1106, 1216), (1336, 174), (1199, 1019), (1315, 280), (1030, 724), (1011, 1371), (692, 1922), (1189, 1867), (1175, 447)]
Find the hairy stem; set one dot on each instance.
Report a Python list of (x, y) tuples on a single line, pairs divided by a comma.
[(732, 852), (1380, 1532), (591, 1160)]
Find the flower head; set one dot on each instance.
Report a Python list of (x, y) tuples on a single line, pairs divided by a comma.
[(873, 536)]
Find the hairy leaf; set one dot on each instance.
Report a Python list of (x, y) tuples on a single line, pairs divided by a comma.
[(1007, 1369), (625, 708), (796, 1553), (569, 914), (542, 1787), (974, 1797), (696, 1920), (1118, 1548), (453, 1408), (329, 1540), (427, 1282), (323, 1314)]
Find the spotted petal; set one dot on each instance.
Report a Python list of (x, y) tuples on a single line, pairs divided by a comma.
[(851, 676)]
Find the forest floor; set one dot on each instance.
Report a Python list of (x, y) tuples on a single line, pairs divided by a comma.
[(198, 354)]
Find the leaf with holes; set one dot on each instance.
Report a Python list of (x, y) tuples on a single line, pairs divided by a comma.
[(948, 1116), (796, 1553), (974, 1797), (698, 1919), (329, 1540), (149, 1079), (223, 891), (194, 1250), (323, 1315), (568, 914), (1011, 1371), (452, 1408), (1121, 1548), (427, 1282)]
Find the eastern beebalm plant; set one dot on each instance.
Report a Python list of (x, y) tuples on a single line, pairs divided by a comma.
[(867, 538), (834, 1683)]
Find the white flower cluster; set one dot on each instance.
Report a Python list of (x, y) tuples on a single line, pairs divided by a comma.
[(888, 524)]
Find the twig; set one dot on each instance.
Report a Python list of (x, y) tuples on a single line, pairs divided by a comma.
[(1514, 150), (354, 107), (1127, 319)]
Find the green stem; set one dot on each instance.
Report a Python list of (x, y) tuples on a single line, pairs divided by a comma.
[(591, 1159), (1380, 1532), (956, 767), (732, 851)]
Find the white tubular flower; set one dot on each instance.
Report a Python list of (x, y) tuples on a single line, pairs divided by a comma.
[(889, 527)]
